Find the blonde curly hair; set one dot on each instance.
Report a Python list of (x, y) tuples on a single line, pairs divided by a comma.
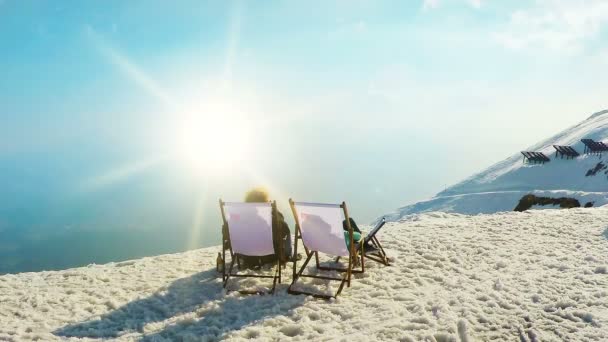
[(258, 194)]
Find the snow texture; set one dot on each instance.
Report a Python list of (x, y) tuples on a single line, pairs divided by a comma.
[(539, 275), (500, 187)]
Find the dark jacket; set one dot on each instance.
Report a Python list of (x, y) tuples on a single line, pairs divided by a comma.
[(353, 225)]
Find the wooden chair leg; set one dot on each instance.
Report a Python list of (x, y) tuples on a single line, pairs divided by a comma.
[(229, 273), (277, 276), (341, 287), (302, 268), (362, 257)]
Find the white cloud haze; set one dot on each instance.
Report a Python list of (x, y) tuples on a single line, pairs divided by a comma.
[(555, 25)]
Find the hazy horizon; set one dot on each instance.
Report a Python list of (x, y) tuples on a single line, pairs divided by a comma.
[(123, 123)]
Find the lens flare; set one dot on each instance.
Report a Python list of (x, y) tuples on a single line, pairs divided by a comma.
[(214, 142)]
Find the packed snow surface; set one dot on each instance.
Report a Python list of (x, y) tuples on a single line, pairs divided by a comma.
[(499, 187), (532, 276)]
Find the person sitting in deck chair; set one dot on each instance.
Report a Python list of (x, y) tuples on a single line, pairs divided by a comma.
[(356, 231), (373, 248), (280, 233)]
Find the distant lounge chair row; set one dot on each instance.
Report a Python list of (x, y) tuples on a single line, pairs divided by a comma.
[(594, 147), (535, 157), (561, 151), (247, 231), (565, 151)]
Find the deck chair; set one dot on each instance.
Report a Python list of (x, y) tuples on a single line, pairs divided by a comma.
[(377, 254), (319, 226), (247, 231)]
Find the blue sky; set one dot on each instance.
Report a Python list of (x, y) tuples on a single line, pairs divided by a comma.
[(379, 103)]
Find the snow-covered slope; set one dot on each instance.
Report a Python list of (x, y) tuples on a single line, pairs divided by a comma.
[(499, 187), (532, 276)]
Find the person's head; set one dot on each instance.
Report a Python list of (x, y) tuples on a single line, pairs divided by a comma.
[(257, 195)]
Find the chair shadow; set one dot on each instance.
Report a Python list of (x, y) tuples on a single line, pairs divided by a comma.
[(193, 305), (232, 314)]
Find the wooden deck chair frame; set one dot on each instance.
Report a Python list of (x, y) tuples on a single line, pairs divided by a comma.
[(227, 246), (355, 252), (379, 255)]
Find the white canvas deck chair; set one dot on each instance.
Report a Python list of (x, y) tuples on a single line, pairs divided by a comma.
[(247, 231), (319, 226)]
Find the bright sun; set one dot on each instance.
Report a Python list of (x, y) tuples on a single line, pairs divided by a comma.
[(213, 142)]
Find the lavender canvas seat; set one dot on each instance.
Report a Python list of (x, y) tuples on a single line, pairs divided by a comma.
[(319, 226), (247, 231)]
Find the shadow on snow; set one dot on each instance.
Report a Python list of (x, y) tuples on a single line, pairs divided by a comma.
[(194, 306)]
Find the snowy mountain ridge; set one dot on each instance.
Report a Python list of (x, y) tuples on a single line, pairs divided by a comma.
[(499, 187)]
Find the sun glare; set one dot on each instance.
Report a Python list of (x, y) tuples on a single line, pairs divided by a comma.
[(213, 142)]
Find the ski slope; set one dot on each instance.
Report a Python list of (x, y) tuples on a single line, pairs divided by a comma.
[(500, 187), (541, 275)]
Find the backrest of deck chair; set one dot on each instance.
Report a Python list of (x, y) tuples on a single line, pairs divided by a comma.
[(588, 143), (250, 227), (572, 151), (375, 230), (321, 227)]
